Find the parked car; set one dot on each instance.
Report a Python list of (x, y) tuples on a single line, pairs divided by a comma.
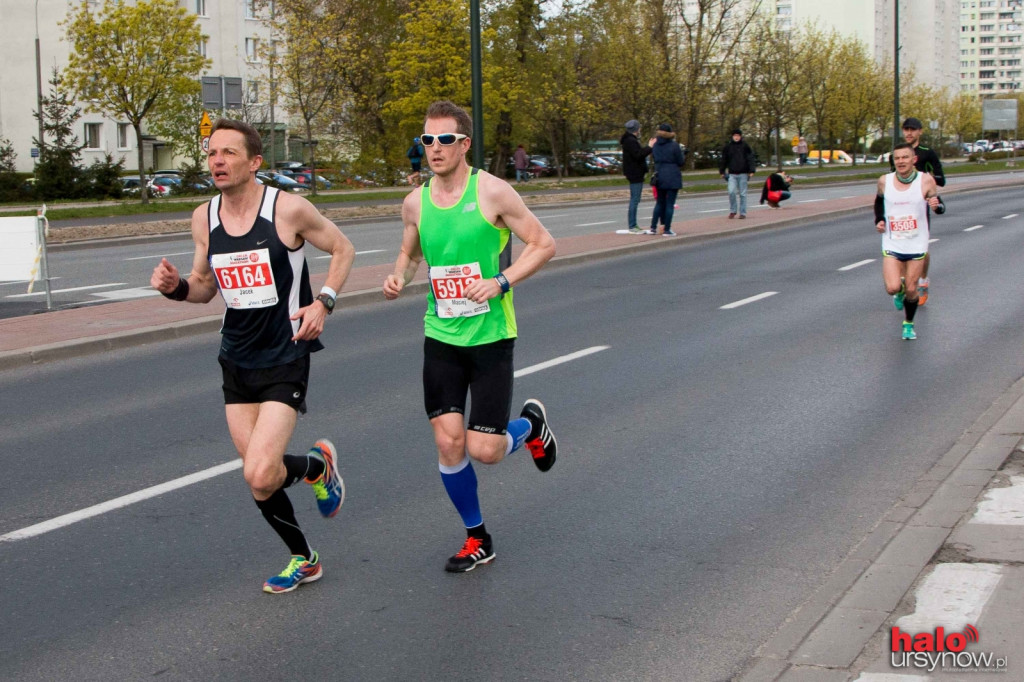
[(130, 184), (281, 181), (967, 148), (982, 146), (305, 179)]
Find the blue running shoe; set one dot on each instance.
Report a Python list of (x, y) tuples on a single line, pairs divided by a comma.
[(329, 489), (908, 332), (300, 570)]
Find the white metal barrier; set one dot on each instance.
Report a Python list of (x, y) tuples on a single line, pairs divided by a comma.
[(23, 256)]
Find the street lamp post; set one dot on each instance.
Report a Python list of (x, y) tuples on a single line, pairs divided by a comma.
[(896, 74), (39, 84), (477, 85)]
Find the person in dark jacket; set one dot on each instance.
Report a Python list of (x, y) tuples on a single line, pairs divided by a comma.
[(634, 167), (776, 189), (668, 159), (737, 165)]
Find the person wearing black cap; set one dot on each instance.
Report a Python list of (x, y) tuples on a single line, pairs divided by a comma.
[(668, 170), (737, 165), (634, 167), (926, 161)]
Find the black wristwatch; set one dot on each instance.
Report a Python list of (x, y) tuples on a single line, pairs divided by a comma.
[(328, 302)]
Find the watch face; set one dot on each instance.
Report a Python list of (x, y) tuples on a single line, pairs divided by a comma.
[(327, 301)]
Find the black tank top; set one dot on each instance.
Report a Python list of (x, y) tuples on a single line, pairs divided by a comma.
[(263, 283)]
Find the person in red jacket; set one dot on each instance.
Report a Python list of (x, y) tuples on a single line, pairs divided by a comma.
[(776, 189)]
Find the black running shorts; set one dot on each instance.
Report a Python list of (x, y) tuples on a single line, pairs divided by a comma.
[(485, 371), (283, 383)]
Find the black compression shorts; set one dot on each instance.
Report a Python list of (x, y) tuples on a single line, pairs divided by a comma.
[(484, 371)]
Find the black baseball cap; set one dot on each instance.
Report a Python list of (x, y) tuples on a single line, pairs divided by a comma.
[(913, 124)]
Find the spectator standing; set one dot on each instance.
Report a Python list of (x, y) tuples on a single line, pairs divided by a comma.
[(668, 159), (522, 162), (801, 149), (415, 155), (776, 189), (737, 165), (634, 167)]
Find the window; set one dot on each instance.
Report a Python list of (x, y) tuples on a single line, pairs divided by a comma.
[(122, 135), (92, 135), (250, 9), (203, 43), (201, 8), (252, 92), (252, 49)]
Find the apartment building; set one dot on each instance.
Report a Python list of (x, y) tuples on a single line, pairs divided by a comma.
[(234, 31), (991, 33)]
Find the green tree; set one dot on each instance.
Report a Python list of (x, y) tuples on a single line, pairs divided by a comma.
[(963, 116), (862, 85), (776, 91), (130, 60), (59, 172), (822, 79), (308, 68), (178, 123), (8, 157)]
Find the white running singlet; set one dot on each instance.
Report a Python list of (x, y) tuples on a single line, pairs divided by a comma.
[(906, 218)]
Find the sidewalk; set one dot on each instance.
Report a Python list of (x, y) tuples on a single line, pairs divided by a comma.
[(929, 552)]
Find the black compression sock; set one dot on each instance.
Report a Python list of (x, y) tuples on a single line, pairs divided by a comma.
[(910, 307), (302, 467), (478, 532), (277, 510)]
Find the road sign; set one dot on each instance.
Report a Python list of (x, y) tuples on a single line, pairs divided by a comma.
[(35, 152), (206, 143), (205, 125)]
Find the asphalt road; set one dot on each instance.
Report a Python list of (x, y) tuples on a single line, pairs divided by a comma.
[(716, 464)]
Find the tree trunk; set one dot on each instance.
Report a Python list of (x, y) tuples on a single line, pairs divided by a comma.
[(137, 126)]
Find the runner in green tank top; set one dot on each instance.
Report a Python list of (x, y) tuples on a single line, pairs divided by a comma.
[(461, 222)]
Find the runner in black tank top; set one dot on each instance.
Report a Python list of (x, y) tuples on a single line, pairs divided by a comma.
[(249, 248)]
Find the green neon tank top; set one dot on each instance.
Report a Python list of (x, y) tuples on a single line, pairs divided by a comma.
[(461, 236)]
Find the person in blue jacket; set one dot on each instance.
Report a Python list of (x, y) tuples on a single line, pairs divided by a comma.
[(668, 159)]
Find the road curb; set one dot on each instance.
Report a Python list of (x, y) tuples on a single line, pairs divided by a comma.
[(831, 631)]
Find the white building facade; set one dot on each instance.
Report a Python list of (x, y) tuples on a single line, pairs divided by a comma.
[(991, 47), (235, 32)]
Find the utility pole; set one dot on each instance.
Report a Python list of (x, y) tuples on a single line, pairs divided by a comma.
[(478, 97), (896, 74)]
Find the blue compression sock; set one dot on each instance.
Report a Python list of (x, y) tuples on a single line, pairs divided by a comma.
[(516, 433), (460, 482)]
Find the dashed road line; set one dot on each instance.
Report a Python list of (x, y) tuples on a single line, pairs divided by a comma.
[(160, 255), (972, 228), (358, 253), (851, 266), (603, 222), (737, 304), (1012, 215), (64, 291)]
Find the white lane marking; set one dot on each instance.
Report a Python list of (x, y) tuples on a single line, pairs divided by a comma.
[(737, 304), (852, 196), (125, 294), (199, 476), (23, 282), (161, 255), (559, 360), (890, 677), (714, 210), (933, 240), (952, 596), (603, 222), (851, 266), (64, 291), (1012, 215), (358, 253), (118, 502), (810, 201), (557, 215), (972, 228), (1002, 506)]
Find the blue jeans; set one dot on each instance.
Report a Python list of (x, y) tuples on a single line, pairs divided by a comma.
[(522, 175), (738, 189), (664, 208), (635, 190)]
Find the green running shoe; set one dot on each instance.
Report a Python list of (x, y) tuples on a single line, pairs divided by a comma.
[(300, 570), (897, 300), (908, 331), (329, 489)]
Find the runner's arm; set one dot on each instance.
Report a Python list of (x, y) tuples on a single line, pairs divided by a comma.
[(200, 285), (931, 195), (410, 254), (934, 166), (502, 205), (309, 224), (880, 205)]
